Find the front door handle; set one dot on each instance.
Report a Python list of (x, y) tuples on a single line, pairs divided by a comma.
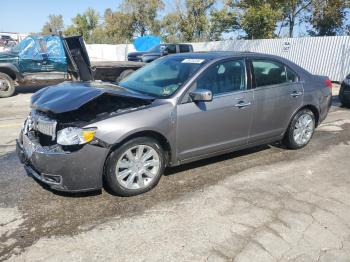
[(296, 94), (242, 104)]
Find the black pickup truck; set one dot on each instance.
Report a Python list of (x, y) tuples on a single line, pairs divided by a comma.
[(159, 51), (43, 60)]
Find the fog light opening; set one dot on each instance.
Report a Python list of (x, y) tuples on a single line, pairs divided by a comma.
[(52, 179)]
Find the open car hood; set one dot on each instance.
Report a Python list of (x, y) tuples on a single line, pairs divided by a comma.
[(70, 96)]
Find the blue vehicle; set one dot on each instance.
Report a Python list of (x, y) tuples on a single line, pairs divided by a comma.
[(46, 60)]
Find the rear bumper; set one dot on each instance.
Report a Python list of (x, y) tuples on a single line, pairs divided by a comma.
[(325, 106), (76, 171)]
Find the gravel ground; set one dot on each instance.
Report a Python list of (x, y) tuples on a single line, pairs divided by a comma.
[(261, 204)]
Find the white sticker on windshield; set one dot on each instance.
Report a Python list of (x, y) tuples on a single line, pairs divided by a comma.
[(192, 61)]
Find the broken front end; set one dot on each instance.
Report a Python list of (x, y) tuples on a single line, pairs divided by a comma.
[(55, 145)]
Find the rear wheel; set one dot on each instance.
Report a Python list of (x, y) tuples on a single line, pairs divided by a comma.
[(300, 130), (136, 167), (7, 86)]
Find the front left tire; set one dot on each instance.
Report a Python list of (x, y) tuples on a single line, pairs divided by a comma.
[(7, 86), (136, 167)]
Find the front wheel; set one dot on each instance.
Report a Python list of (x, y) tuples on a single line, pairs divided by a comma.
[(135, 167), (7, 86), (300, 130)]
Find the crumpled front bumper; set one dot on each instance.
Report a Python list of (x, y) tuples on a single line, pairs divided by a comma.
[(77, 171)]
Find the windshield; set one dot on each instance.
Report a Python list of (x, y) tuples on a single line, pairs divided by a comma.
[(26, 44), (163, 77), (15, 49)]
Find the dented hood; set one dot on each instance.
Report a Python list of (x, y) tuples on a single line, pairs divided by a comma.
[(69, 96)]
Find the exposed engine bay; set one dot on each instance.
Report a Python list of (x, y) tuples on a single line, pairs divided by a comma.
[(103, 107), (45, 125)]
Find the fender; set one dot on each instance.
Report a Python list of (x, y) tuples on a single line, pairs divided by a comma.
[(11, 70)]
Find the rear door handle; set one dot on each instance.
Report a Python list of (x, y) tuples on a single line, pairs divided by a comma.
[(296, 94), (242, 104)]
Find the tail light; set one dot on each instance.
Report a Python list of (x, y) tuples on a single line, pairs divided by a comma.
[(328, 83)]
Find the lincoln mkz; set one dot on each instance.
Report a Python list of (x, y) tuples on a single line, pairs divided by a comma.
[(178, 109)]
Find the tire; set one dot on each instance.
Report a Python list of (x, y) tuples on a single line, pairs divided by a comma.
[(126, 176), (124, 74), (7, 86), (299, 125), (343, 101)]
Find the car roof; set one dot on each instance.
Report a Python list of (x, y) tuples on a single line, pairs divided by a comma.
[(211, 55), (218, 55)]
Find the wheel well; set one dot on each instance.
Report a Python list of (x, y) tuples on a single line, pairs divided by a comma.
[(314, 110), (155, 135), (8, 72)]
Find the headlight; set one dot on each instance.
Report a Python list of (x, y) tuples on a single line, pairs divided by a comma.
[(75, 136)]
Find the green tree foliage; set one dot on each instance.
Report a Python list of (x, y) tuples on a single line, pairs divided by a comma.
[(206, 20), (54, 25), (170, 28), (292, 12), (327, 17), (224, 20), (143, 15), (196, 20), (118, 27), (84, 24), (259, 21)]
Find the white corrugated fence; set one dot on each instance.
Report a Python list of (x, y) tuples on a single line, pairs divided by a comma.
[(320, 55)]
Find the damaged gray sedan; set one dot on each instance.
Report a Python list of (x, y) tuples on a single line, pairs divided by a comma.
[(176, 110)]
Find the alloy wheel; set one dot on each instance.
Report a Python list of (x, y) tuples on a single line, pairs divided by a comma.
[(4, 85), (137, 167), (303, 129)]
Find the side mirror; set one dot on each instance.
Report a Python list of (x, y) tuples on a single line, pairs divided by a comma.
[(201, 95)]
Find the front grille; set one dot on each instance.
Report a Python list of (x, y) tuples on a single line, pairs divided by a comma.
[(47, 127), (43, 124)]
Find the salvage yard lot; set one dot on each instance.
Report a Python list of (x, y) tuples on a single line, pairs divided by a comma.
[(261, 204)]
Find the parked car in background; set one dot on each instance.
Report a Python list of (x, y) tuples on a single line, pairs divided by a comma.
[(344, 93), (159, 51), (178, 109), (43, 60)]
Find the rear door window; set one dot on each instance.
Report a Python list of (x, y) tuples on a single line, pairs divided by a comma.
[(269, 73), (272, 73)]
